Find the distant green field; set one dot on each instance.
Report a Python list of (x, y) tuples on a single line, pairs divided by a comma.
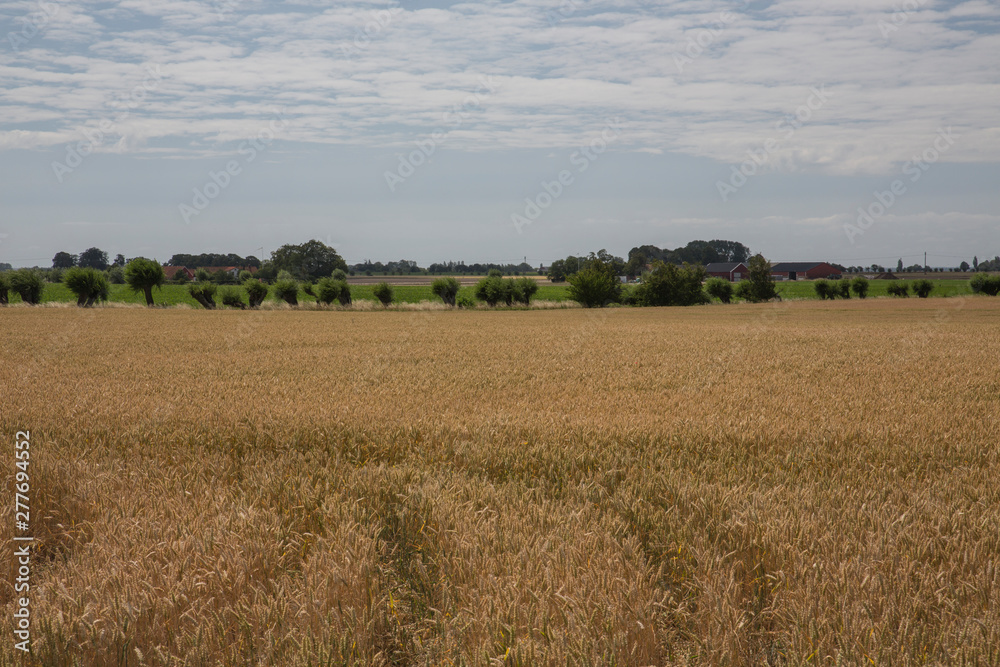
[(170, 295)]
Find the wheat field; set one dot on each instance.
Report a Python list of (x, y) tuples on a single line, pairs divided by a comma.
[(801, 483)]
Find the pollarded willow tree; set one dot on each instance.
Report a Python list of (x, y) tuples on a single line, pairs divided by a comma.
[(142, 275), (87, 284)]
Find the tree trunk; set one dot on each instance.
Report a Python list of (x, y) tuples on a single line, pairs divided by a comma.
[(148, 291)]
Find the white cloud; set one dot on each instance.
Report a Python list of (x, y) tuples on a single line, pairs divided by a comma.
[(379, 73)]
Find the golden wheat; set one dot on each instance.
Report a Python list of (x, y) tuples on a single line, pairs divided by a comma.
[(804, 483)]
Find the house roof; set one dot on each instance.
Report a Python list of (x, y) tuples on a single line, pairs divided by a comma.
[(723, 267), (796, 266), (171, 271)]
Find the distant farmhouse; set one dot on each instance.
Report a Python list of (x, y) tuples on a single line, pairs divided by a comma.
[(803, 271), (731, 271), (171, 272)]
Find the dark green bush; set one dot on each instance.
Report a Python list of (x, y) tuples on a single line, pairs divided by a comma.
[(744, 290), (204, 293), (89, 285), (761, 287), (595, 287), (232, 296), (523, 289), (338, 274), (842, 288), (923, 288), (824, 290), (465, 301), (329, 290), (720, 288), (28, 284), (287, 290), (982, 283), (245, 276), (4, 288), (446, 289), (494, 273), (256, 292), (383, 292), (672, 285), (860, 287), (495, 290), (896, 288)]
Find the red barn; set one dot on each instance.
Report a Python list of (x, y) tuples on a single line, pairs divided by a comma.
[(804, 271), (731, 271)]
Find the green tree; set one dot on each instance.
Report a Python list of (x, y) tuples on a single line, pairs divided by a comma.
[(94, 258), (843, 288), (672, 285), (557, 272), (446, 289), (383, 292), (826, 289), (923, 288), (232, 297), (309, 261), (63, 260), (142, 275), (256, 292), (896, 288), (495, 290), (119, 261), (635, 265), (523, 289), (860, 286), (202, 275), (287, 290), (596, 285), (330, 289), (28, 284), (4, 288), (720, 288), (899, 265), (204, 293), (761, 286), (89, 285)]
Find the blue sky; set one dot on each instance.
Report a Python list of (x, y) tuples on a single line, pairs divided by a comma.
[(495, 131)]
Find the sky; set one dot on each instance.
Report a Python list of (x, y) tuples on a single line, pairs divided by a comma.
[(856, 132)]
